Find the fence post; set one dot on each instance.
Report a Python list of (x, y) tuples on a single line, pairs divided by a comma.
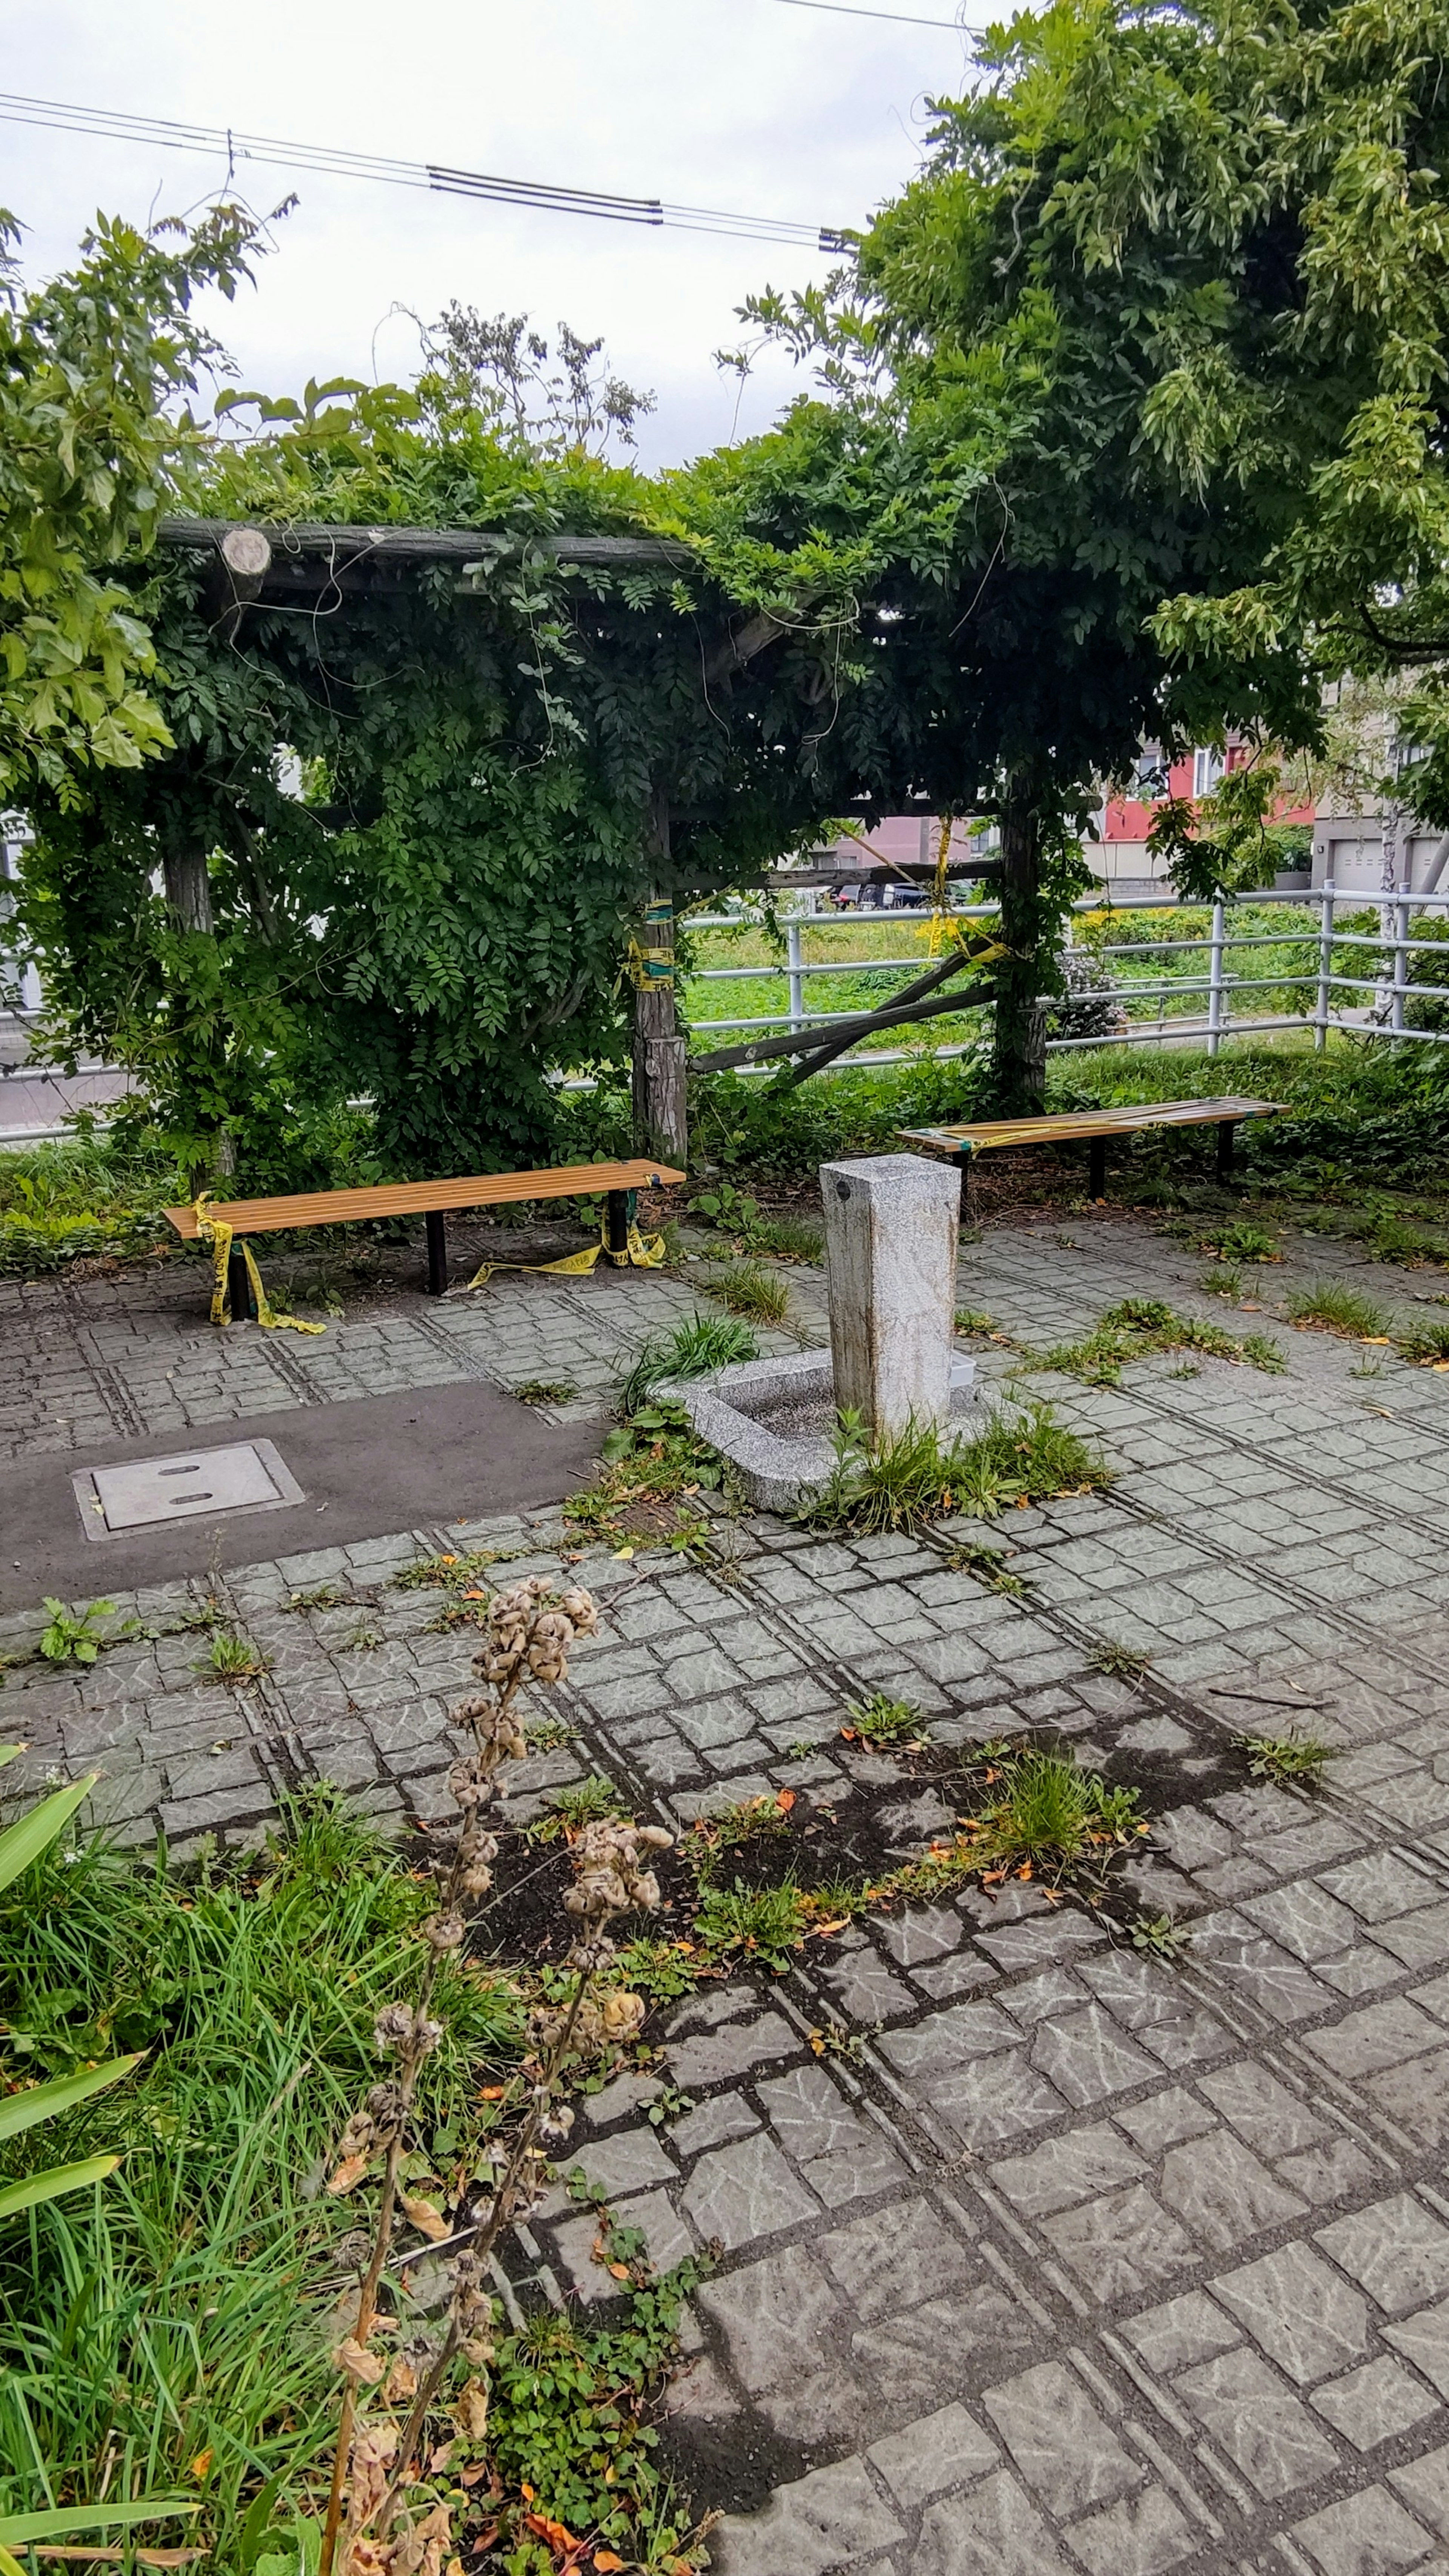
[(797, 980), (1401, 956), (1215, 980), (1325, 968)]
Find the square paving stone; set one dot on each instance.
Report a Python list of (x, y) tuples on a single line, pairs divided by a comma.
[(1221, 2191), (1299, 2311), (937, 2451), (1367, 2535), (1067, 2169), (1417, 2096), (1381, 2034), (1142, 2536), (1370, 2405), (1262, 2110), (992, 2102), (1305, 1919), (743, 2191), (1424, 2486), (811, 2116), (780, 2319), (856, 2173), (1163, 2119), (1122, 2246), (1086, 2056), (1395, 2249), (1266, 2433), (732, 2050), (1424, 2340), (1380, 1886), (1330, 2172), (896, 2260), (1062, 2446), (833, 2518), (629, 2162), (1181, 2331), (993, 2531)]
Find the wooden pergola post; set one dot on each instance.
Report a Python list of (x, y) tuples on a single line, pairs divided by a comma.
[(661, 1111)]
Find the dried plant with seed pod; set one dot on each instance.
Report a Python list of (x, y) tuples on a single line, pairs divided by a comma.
[(529, 1632)]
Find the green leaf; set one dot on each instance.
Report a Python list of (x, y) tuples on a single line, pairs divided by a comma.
[(43, 2101), (50, 2185), (18, 2529), (24, 1841)]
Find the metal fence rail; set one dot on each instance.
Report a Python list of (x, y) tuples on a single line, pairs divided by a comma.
[(1323, 981)]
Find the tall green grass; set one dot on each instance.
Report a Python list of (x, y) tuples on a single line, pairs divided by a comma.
[(187, 2309)]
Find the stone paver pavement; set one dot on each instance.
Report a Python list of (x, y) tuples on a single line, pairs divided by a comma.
[(1084, 2259)]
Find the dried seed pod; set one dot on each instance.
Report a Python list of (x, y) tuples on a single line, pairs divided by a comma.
[(580, 1608), (445, 1931)]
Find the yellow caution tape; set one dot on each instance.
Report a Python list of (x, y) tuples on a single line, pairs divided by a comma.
[(641, 1252), (215, 1231)]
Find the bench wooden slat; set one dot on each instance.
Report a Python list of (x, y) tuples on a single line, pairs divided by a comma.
[(1072, 1126), (419, 1198)]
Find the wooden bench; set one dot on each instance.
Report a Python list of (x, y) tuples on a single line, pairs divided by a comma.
[(1094, 1128), (431, 1200)]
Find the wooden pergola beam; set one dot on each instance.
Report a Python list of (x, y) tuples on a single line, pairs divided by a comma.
[(255, 551)]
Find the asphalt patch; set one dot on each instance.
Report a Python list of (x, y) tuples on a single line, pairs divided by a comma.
[(367, 1469)]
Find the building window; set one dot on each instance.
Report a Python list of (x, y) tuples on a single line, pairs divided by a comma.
[(1207, 769), (1150, 778)]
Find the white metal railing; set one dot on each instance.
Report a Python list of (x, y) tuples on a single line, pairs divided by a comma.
[(1324, 985)]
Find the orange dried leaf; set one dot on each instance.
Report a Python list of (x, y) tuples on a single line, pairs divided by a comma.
[(606, 2562), (784, 1802), (557, 2534), (492, 2092), (620, 2271), (202, 2462), (426, 2218), (348, 2175)]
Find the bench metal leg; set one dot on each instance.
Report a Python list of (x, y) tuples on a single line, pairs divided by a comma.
[(1227, 1132), (616, 1225), (1097, 1167), (238, 1286), (437, 1232)]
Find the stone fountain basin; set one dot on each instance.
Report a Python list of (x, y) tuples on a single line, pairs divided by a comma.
[(774, 1420)]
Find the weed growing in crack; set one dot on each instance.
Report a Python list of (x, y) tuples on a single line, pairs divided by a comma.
[(546, 1390), (1222, 1280), (1049, 1811), (763, 1819), (1326, 1306), (446, 1572), (919, 1474), (651, 1466), (1284, 1757), (1125, 1663), (695, 1348), (1243, 1241), (1140, 1325), (884, 1725), (1426, 1343), (570, 1810), (764, 1923), (988, 1565), (745, 1288), (73, 1639), (1159, 1935), (546, 1734), (669, 2103), (235, 1659), (969, 1321)]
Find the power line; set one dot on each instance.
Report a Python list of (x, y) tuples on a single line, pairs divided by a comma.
[(892, 17), (271, 151)]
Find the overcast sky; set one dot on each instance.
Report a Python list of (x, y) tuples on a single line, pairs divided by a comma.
[(754, 106)]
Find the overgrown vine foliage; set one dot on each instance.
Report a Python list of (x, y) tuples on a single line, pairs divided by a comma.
[(1132, 424)]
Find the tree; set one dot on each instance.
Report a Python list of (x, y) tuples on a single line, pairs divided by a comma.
[(88, 367), (1162, 325)]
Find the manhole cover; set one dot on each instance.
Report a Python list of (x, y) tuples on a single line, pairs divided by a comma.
[(247, 1478)]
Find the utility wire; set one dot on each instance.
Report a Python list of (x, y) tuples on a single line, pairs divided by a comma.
[(268, 149), (892, 17)]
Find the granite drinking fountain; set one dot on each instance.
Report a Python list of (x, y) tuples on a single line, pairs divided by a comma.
[(891, 1231)]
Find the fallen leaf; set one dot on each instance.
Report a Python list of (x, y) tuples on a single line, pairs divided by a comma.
[(492, 2092), (470, 2476), (470, 2410), (1025, 1870), (447, 1560), (847, 1735), (358, 2362), (557, 2534), (438, 2460), (784, 1802), (202, 2462), (526, 2491), (837, 1923), (622, 1555), (1375, 1341), (402, 2382), (348, 2175), (424, 2216), (606, 2563), (475, 1596), (619, 2270)]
